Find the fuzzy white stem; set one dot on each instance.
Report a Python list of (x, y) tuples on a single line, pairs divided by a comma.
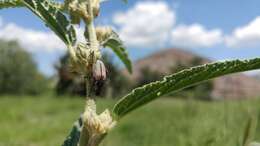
[(91, 27), (84, 139)]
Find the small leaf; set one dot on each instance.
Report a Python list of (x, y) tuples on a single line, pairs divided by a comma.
[(119, 49), (53, 19), (74, 136), (180, 80)]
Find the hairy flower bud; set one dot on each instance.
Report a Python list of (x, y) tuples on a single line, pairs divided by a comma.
[(96, 7), (84, 58), (97, 124), (99, 71), (77, 10), (103, 33)]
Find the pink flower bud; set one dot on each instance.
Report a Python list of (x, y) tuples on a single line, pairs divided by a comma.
[(99, 71)]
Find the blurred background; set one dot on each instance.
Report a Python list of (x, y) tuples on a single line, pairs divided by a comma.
[(40, 98)]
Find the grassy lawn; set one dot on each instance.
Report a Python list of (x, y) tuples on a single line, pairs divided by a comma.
[(33, 121)]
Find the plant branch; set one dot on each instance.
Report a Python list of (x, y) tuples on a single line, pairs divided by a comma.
[(88, 82), (85, 139), (89, 20)]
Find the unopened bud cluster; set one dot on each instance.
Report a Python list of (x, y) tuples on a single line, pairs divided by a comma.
[(103, 33), (97, 124), (84, 58), (78, 9)]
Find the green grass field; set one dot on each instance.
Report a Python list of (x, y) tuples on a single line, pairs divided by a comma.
[(44, 121)]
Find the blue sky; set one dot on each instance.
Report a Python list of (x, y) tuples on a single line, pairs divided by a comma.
[(219, 30)]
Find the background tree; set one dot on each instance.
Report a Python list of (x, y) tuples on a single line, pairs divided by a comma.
[(18, 71)]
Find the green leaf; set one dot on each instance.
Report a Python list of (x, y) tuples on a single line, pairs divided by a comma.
[(49, 12), (74, 136), (53, 19), (119, 49), (19, 3), (10, 3), (180, 80)]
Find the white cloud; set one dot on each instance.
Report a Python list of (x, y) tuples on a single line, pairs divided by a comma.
[(195, 36), (32, 40), (245, 36), (147, 24)]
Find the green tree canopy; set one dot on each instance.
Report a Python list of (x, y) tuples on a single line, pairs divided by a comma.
[(18, 71)]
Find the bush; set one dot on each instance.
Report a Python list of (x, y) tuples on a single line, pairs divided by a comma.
[(19, 74)]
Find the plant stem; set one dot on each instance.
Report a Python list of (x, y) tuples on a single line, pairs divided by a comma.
[(85, 138), (88, 82), (95, 140), (91, 27), (93, 42)]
